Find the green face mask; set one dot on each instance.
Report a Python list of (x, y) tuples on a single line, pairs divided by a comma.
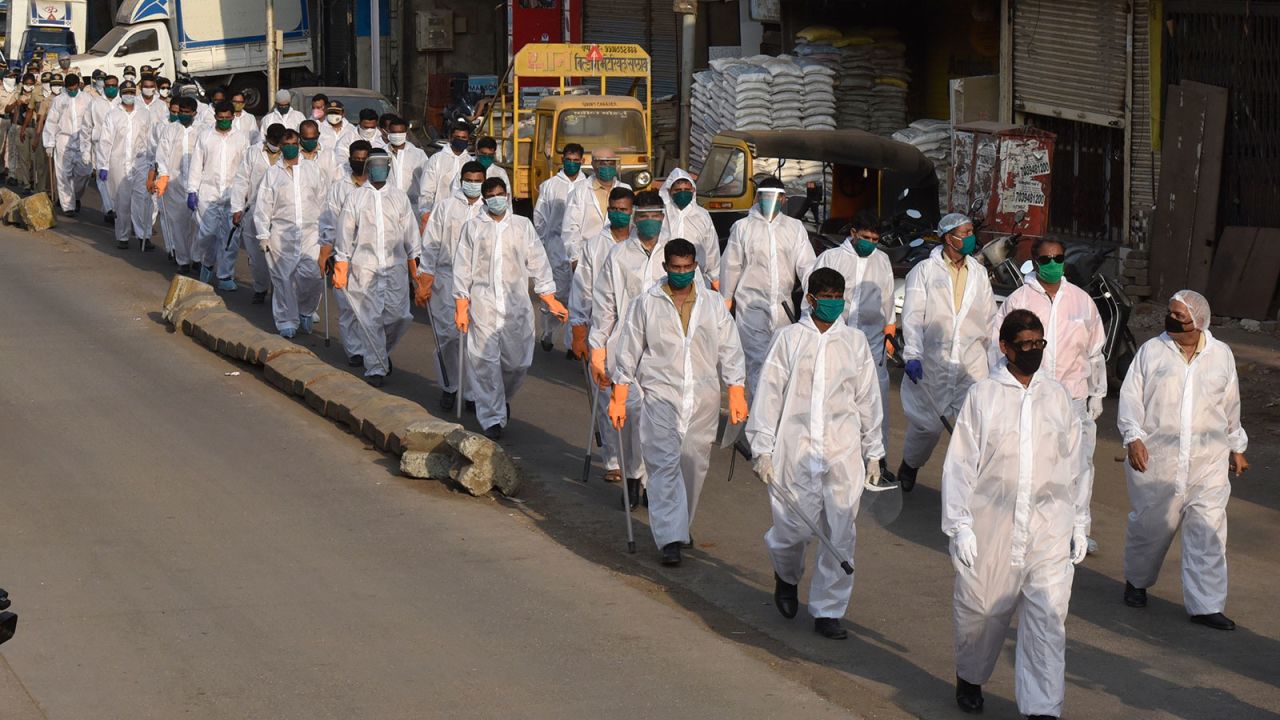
[(828, 309), (1051, 272), (968, 245), (186, 120), (571, 167), (73, 92), (223, 123), (619, 219), (682, 198), (111, 91), (607, 173), (680, 280), (863, 247), (309, 144), (648, 228), (173, 117), (290, 151), (485, 160)]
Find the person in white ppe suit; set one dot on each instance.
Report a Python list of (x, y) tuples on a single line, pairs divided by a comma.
[(678, 344), (377, 240), (336, 134), (244, 196), (689, 220), (1075, 335), (581, 302), (630, 267), (441, 169), (354, 177), (105, 100), (282, 113), (815, 435), (766, 255), (287, 228), (173, 161), (244, 122), (214, 162), (1015, 504), (408, 161), (868, 302), (548, 221), (586, 206), (498, 254), (435, 280), (1180, 420), (314, 154), (947, 311), (122, 153), (62, 139)]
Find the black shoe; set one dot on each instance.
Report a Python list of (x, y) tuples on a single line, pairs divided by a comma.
[(830, 628), (907, 476), (173, 259), (1134, 597), (122, 244), (355, 361), (184, 269), (968, 696), (109, 218), (671, 554), (376, 380), (886, 477), (448, 400), (470, 406), (633, 493), (493, 432), (786, 597), (69, 213), (1217, 621), (390, 366), (259, 298), (548, 345), (147, 246), (568, 354), (683, 545)]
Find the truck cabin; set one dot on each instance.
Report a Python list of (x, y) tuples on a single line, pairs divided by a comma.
[(594, 121), (50, 42)]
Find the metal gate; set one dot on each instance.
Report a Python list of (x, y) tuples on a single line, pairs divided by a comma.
[(1086, 197), (650, 24)]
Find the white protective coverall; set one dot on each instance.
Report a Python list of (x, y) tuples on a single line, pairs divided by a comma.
[(214, 162), (581, 301), (760, 267), (291, 119), (122, 150), (1013, 477), (693, 223), (158, 108), (247, 124), (90, 135), (1188, 416), (817, 412), (437, 177), (868, 306), (287, 228), (492, 267), (439, 249), (677, 375), (177, 222), (548, 221), (951, 345), (330, 219), (338, 138), (408, 163), (627, 271), (584, 218), (326, 163), (244, 196), (378, 236), (62, 139), (1073, 355), (493, 171)]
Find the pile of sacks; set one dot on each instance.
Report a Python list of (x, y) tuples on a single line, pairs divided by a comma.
[(870, 75), (933, 138)]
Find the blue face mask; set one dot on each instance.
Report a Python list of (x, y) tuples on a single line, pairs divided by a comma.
[(496, 204), (458, 144), (828, 310), (379, 172), (680, 280)]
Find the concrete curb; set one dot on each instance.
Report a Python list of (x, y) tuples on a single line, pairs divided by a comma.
[(428, 447)]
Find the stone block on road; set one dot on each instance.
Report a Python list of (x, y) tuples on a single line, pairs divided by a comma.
[(181, 289), (10, 202), (274, 346), (429, 465), (334, 395), (490, 468), (36, 212), (387, 423), (429, 435), (293, 372)]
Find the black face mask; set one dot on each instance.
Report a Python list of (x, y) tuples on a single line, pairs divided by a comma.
[(1027, 361), (357, 166), (1173, 325)]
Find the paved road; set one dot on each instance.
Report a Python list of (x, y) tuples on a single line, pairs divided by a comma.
[(1122, 663), (180, 543)]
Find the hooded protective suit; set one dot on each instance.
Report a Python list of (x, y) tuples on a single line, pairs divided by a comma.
[(291, 119), (950, 343), (1188, 416), (439, 249), (122, 150), (244, 196), (817, 412), (677, 374), (62, 139), (1013, 478), (330, 221), (214, 162), (760, 267), (338, 138), (378, 236), (173, 160), (494, 262), (247, 124), (868, 298), (548, 222), (91, 132), (437, 177), (586, 212), (327, 164), (287, 229), (408, 164), (693, 223)]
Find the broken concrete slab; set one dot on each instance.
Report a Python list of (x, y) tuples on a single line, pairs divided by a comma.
[(181, 289), (489, 468), (389, 421), (36, 212), (428, 435), (10, 202), (424, 465)]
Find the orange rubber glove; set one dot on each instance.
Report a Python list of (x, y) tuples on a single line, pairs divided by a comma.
[(555, 307), (413, 267), (715, 285), (728, 304), (890, 330), (422, 290), (597, 367), (737, 404), (326, 252), (340, 274), (579, 346), (162, 183), (151, 182), (618, 406), (461, 316)]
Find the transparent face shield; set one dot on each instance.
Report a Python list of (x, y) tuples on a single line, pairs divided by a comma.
[(769, 201)]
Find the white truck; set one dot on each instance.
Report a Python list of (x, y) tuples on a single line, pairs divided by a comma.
[(55, 26), (218, 42)]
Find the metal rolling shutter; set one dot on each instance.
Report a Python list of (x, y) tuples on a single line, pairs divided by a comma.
[(1145, 166), (663, 41), (1069, 59), (650, 24)]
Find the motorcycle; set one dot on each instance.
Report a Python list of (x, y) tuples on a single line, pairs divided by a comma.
[(187, 85)]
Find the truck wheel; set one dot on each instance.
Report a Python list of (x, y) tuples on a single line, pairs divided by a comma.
[(254, 88)]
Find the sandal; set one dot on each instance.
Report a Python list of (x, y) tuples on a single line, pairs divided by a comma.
[(613, 476)]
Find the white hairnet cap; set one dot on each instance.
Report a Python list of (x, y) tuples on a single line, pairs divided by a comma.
[(951, 221), (283, 96), (1197, 304)]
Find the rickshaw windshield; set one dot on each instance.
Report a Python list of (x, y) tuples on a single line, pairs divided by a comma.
[(724, 173)]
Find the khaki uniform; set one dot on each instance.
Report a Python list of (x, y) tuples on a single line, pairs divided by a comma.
[(39, 158)]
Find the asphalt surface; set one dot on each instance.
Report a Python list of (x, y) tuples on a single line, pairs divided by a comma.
[(282, 523)]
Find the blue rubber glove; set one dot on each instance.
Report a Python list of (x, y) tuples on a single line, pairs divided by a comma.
[(192, 200), (915, 370), (102, 175)]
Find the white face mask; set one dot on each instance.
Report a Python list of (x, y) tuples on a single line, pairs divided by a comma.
[(333, 118), (271, 148), (131, 77), (10, 83), (397, 139), (164, 92), (46, 87), (148, 92), (368, 133), (128, 99), (471, 189), (56, 90), (28, 88)]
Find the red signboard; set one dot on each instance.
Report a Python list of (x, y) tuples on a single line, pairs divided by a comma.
[(542, 21)]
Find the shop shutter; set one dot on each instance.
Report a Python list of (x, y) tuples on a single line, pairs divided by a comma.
[(1069, 59), (1146, 160), (664, 40), (650, 24)]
